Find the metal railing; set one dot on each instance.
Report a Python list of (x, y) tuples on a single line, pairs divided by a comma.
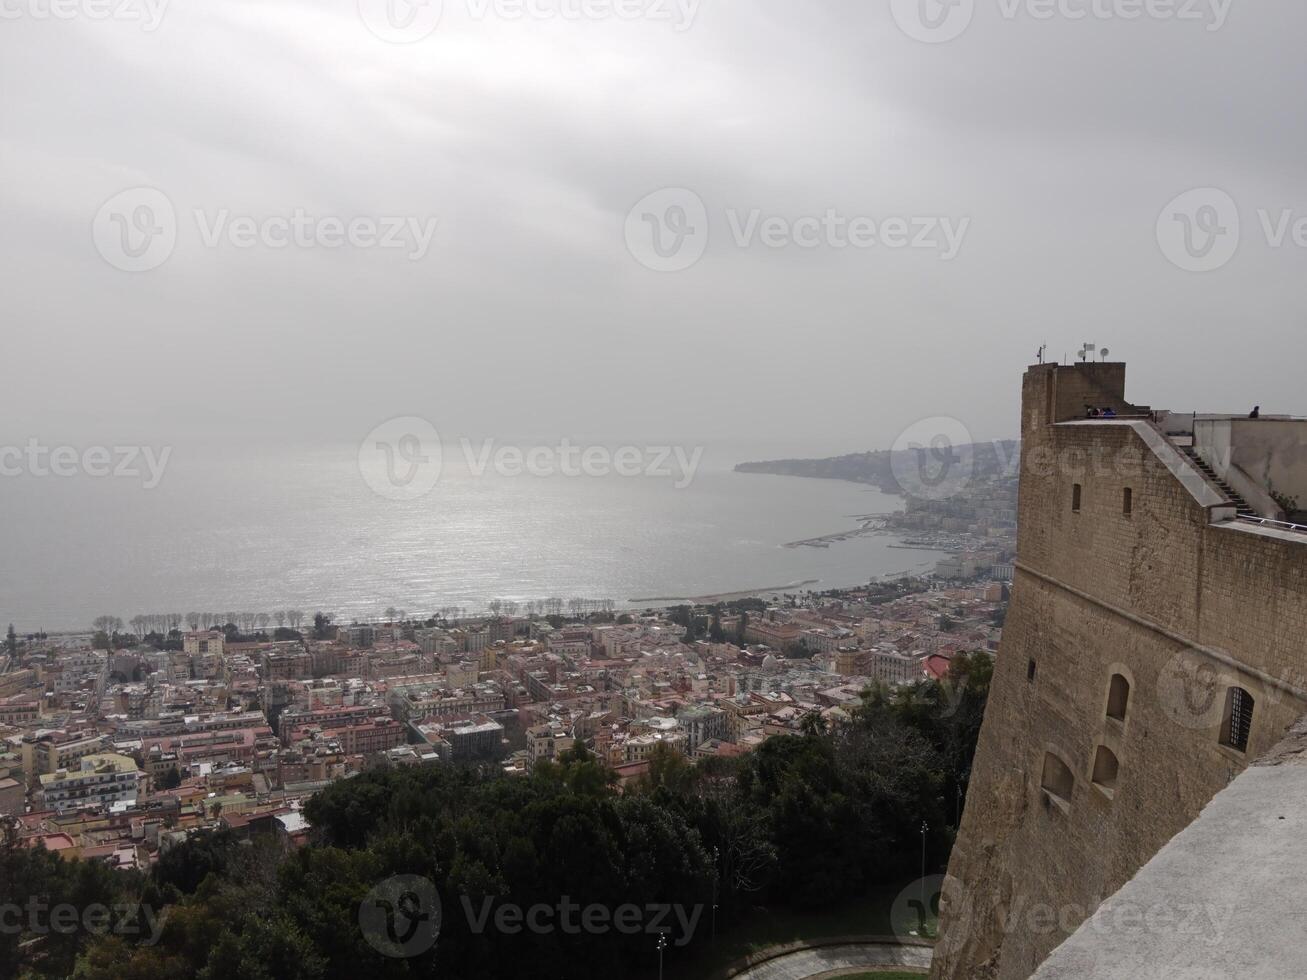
[(1280, 525)]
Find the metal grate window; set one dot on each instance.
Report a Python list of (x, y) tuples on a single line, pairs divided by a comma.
[(1239, 724)]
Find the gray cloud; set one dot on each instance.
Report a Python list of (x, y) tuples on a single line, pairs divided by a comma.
[(530, 140)]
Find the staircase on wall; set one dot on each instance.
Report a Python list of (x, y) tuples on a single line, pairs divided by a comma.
[(1230, 494)]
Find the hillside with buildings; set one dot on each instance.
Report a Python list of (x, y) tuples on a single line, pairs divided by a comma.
[(961, 500), (882, 469), (139, 750)]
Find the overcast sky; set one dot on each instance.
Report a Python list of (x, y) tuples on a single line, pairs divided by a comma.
[(1054, 144)]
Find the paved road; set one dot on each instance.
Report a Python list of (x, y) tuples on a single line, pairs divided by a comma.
[(813, 962)]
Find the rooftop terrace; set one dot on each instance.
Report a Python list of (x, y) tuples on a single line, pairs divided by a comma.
[(1245, 471)]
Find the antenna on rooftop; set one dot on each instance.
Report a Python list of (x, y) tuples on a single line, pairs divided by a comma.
[(1102, 354), (1086, 351), (1042, 348)]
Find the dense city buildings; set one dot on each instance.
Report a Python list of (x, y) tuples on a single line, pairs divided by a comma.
[(115, 746), (106, 780), (1148, 658)]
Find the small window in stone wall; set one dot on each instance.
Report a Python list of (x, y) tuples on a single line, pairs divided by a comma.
[(1030, 671), (1237, 724), (1118, 698), (1106, 768), (1075, 498), (1127, 502), (1058, 780)]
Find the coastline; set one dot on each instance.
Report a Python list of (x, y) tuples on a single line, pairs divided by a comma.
[(725, 596)]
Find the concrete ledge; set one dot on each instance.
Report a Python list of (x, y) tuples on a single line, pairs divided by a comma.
[(754, 960), (862, 971), (1265, 531), (1223, 899)]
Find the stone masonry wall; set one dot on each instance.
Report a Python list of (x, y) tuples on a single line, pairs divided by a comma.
[(1181, 609)]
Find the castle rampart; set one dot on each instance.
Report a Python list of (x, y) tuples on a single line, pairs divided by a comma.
[(1155, 646)]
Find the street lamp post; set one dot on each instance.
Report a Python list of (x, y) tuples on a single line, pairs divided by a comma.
[(716, 858), (924, 827)]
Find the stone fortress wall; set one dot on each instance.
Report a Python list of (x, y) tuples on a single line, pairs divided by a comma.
[(1111, 721)]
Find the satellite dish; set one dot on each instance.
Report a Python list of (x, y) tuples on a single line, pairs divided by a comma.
[(1105, 352)]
